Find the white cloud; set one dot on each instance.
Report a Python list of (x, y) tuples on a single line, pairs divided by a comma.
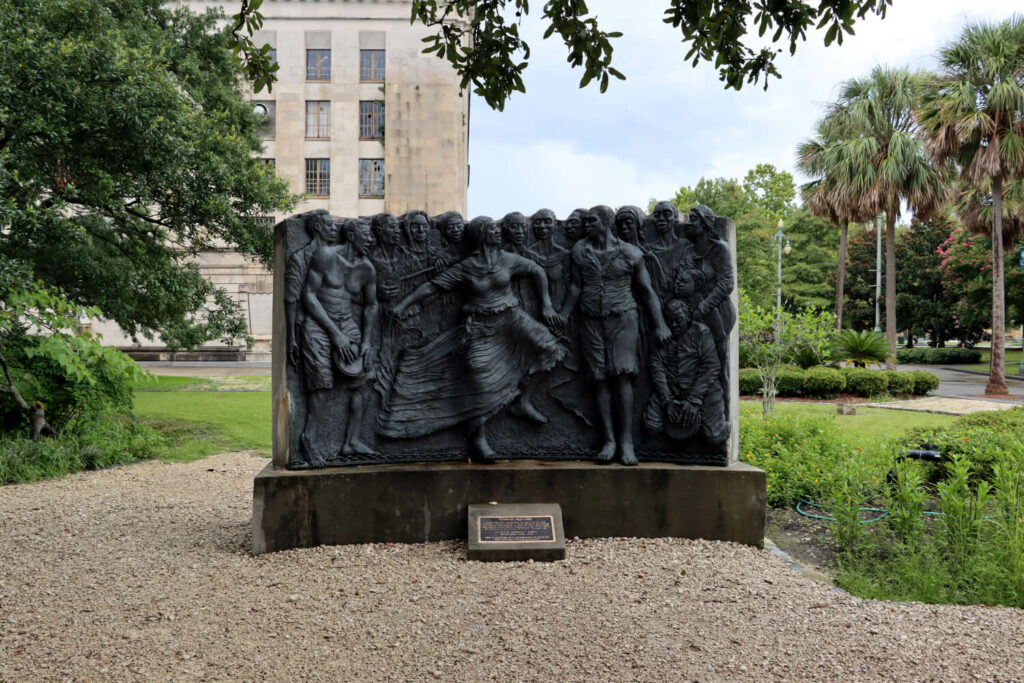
[(555, 175), (670, 124)]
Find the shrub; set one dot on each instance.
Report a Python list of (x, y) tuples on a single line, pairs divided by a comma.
[(74, 377), (823, 382), (102, 442), (938, 356), (924, 382), (805, 357), (750, 382), (985, 437), (860, 348), (797, 453), (900, 383), (863, 382), (790, 382)]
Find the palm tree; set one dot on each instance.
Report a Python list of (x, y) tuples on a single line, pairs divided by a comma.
[(973, 114), (824, 198), (878, 162)]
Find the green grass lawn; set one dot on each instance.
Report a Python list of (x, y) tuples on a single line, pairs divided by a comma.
[(869, 425), (1012, 362), (168, 383), (201, 423)]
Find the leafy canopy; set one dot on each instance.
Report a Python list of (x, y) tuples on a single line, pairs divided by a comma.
[(765, 195), (972, 112), (126, 149), (481, 39)]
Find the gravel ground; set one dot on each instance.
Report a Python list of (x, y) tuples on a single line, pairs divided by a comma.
[(142, 573)]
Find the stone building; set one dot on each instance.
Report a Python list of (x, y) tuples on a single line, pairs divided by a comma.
[(360, 121)]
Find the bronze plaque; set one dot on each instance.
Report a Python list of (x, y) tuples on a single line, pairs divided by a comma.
[(516, 529)]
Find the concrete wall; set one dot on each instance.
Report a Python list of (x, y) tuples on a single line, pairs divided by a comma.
[(426, 137)]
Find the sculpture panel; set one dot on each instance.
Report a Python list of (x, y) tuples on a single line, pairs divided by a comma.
[(601, 337)]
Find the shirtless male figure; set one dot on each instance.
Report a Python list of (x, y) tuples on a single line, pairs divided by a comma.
[(337, 352)]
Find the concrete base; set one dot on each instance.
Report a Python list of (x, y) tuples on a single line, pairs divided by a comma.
[(429, 502)]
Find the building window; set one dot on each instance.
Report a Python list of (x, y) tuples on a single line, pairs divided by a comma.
[(272, 163), (265, 113), (371, 120), (318, 177), (371, 177), (318, 119), (318, 65), (371, 65)]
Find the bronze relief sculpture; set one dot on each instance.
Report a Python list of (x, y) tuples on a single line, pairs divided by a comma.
[(604, 336)]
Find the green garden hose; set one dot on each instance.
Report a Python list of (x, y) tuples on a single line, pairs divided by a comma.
[(805, 513)]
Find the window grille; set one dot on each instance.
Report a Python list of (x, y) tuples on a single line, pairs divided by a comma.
[(371, 177), (318, 177), (318, 119), (371, 65), (371, 120), (318, 65)]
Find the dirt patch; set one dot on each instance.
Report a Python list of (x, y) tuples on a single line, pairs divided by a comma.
[(807, 540)]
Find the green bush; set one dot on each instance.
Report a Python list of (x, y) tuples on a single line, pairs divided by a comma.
[(984, 437), (860, 348), (900, 383), (797, 453), (973, 552), (92, 444), (821, 382), (863, 382), (824, 382), (924, 382), (926, 355), (804, 357), (750, 382), (74, 377), (790, 382)]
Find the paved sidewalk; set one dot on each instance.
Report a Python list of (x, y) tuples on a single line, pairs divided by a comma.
[(943, 405), (961, 384)]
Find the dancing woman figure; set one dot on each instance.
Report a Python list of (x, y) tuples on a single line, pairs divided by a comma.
[(472, 371)]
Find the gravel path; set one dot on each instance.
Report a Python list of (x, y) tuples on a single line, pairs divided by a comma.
[(141, 573)]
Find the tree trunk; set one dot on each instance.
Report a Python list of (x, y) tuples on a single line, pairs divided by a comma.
[(841, 273), (997, 362), (890, 285)]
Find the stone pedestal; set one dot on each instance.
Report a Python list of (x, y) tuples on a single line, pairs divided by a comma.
[(429, 502)]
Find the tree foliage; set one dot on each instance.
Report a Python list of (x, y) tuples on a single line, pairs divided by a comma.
[(973, 115), (966, 271), (923, 305), (47, 372), (765, 195), (482, 42), (879, 162), (126, 149)]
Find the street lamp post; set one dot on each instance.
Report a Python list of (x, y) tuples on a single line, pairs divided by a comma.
[(778, 238)]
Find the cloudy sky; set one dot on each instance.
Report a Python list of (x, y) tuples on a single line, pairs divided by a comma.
[(669, 124)]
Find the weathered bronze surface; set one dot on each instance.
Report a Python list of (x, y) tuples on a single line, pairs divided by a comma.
[(603, 337)]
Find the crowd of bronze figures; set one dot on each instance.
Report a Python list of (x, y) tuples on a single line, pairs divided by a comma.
[(451, 323)]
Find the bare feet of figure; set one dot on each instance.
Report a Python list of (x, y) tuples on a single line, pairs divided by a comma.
[(480, 451), (607, 452), (522, 408), (357, 447), (626, 454)]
